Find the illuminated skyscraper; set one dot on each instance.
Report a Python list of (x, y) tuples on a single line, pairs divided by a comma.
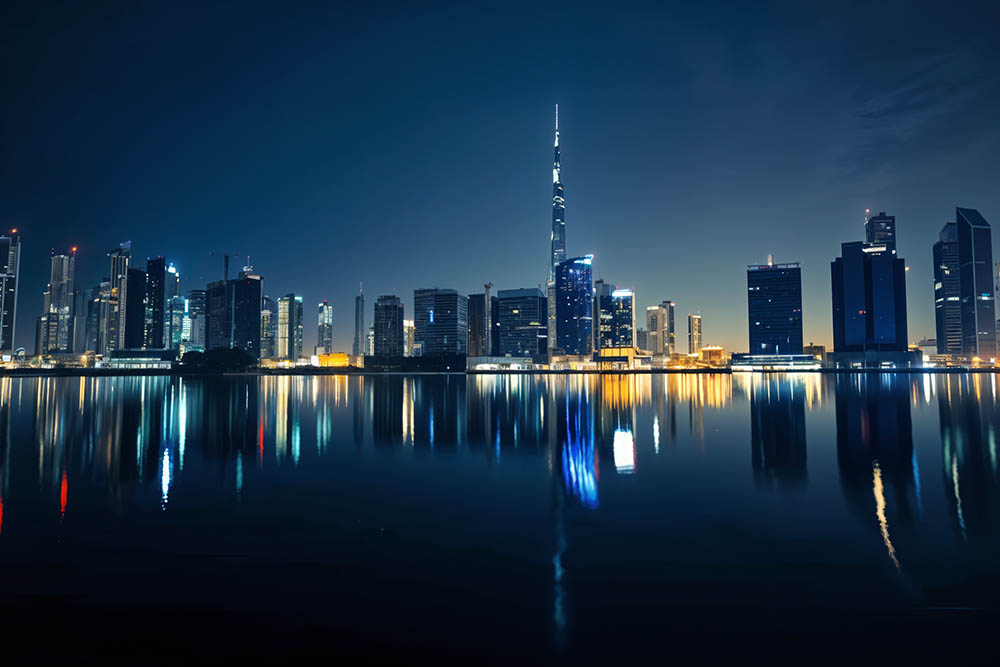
[(120, 259), (657, 327), (388, 326), (156, 301), (441, 321), (409, 337), (134, 297), (558, 236), (869, 299), (173, 322), (324, 334), (56, 330), (574, 291), (268, 328), (521, 315), (290, 327), (670, 347), (10, 262), (622, 318), (975, 258), (483, 325), (774, 307), (602, 314), (197, 310), (233, 313), (694, 334), (360, 334), (947, 292)]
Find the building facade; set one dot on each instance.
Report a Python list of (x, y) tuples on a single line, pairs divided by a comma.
[(121, 258), (575, 306), (56, 332), (10, 263), (694, 334), (880, 230), (869, 299), (774, 308), (603, 315), (388, 327), (324, 331), (483, 325), (441, 321), (657, 330), (522, 327), (360, 331), (155, 303), (975, 258), (197, 321), (622, 318), (289, 327), (268, 328), (947, 292)]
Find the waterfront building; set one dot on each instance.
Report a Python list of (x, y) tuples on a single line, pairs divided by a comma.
[(290, 327), (441, 321), (268, 328), (947, 292), (557, 239), (774, 306), (622, 318), (484, 338), (644, 340), (670, 347), (658, 329), (694, 333), (92, 315), (101, 311), (134, 321), (869, 299), (196, 313), (370, 342), (56, 326), (324, 334), (233, 313), (975, 258), (174, 322), (388, 330), (523, 331), (603, 314), (360, 335), (409, 334), (155, 303), (121, 257), (10, 264), (575, 306)]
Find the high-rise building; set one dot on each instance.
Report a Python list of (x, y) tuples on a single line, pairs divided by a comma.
[(134, 321), (56, 326), (388, 326), (197, 316), (441, 321), (324, 332), (409, 337), (120, 260), (880, 230), (774, 307), (92, 308), (10, 263), (602, 314), (360, 335), (218, 316), (173, 322), (694, 334), (869, 299), (290, 327), (268, 328), (484, 340), (370, 344), (101, 312), (622, 318), (522, 330), (642, 340), (575, 306), (558, 237), (671, 345), (947, 291), (156, 279), (657, 329), (233, 313), (975, 259)]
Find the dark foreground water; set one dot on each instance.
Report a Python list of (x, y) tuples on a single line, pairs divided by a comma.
[(679, 517)]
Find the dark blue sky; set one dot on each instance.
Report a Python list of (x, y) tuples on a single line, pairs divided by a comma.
[(410, 146)]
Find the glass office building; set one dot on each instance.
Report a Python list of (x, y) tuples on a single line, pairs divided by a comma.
[(441, 321), (975, 258), (388, 327), (774, 307), (947, 292), (523, 331), (574, 292)]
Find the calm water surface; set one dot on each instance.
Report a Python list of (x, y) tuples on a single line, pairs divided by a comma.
[(695, 515)]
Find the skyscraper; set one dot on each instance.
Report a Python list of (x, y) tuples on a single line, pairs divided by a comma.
[(134, 321), (880, 230), (56, 326), (290, 327), (197, 314), (324, 333), (694, 334), (975, 259), (268, 328), (120, 259), (388, 326), (869, 299), (602, 314), (10, 262), (483, 321), (575, 306), (521, 315), (657, 329), (441, 321), (233, 313), (947, 291), (774, 307), (218, 316), (622, 318), (156, 279), (558, 237), (173, 322), (670, 347), (409, 334), (360, 333)]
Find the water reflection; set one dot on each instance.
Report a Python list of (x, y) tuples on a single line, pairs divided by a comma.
[(778, 430)]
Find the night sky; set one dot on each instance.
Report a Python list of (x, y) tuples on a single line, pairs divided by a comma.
[(408, 146)]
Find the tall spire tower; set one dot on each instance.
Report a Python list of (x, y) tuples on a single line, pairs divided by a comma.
[(558, 210)]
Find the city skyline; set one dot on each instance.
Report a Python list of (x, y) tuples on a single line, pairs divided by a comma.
[(660, 171)]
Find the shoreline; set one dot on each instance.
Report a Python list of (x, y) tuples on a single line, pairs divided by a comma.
[(103, 372)]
